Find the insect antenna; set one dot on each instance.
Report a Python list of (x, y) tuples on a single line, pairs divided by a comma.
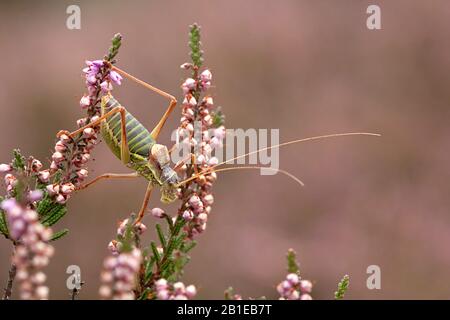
[(212, 169)]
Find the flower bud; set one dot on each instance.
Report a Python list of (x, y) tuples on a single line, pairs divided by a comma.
[(57, 157), (65, 138), (85, 101), (36, 165), (88, 133), (67, 188), (186, 66), (52, 189), (209, 102), (190, 291), (306, 286), (194, 201), (60, 147), (206, 75), (60, 199), (5, 168), (188, 215), (81, 122), (188, 85), (157, 212), (35, 195), (82, 173)]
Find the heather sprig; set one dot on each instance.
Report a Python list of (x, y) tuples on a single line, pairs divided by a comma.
[(166, 261), (31, 239), (342, 288), (36, 197)]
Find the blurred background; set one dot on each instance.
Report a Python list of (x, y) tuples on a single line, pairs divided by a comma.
[(304, 67)]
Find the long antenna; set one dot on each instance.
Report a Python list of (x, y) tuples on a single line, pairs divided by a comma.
[(290, 175), (334, 135)]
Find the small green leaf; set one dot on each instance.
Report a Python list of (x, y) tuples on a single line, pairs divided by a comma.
[(54, 215), (218, 118), (19, 161), (185, 248), (144, 294), (59, 234), (161, 236), (342, 288), (156, 254), (3, 224), (44, 206), (149, 269)]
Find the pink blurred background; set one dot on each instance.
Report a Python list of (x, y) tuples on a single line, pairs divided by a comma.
[(305, 67)]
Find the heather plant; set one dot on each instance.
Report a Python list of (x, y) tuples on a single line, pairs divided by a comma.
[(36, 197)]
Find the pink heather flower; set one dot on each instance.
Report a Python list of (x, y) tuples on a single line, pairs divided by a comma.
[(188, 85), (88, 133), (119, 275), (65, 139), (186, 66), (10, 180), (292, 278), (8, 204), (82, 173), (57, 157), (5, 168), (113, 246), (67, 188), (190, 291), (44, 175), (292, 288), (115, 77), (192, 101), (206, 75), (81, 122), (202, 218), (53, 166), (206, 85), (36, 165), (35, 195), (209, 102), (194, 201), (52, 189), (32, 252), (106, 86), (85, 102), (60, 147), (85, 157), (176, 291), (91, 79), (61, 199), (306, 286), (158, 212), (188, 215), (161, 284)]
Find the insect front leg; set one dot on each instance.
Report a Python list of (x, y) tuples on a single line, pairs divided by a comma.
[(144, 206), (124, 150)]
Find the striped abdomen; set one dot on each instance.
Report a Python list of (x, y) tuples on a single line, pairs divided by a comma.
[(139, 140)]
